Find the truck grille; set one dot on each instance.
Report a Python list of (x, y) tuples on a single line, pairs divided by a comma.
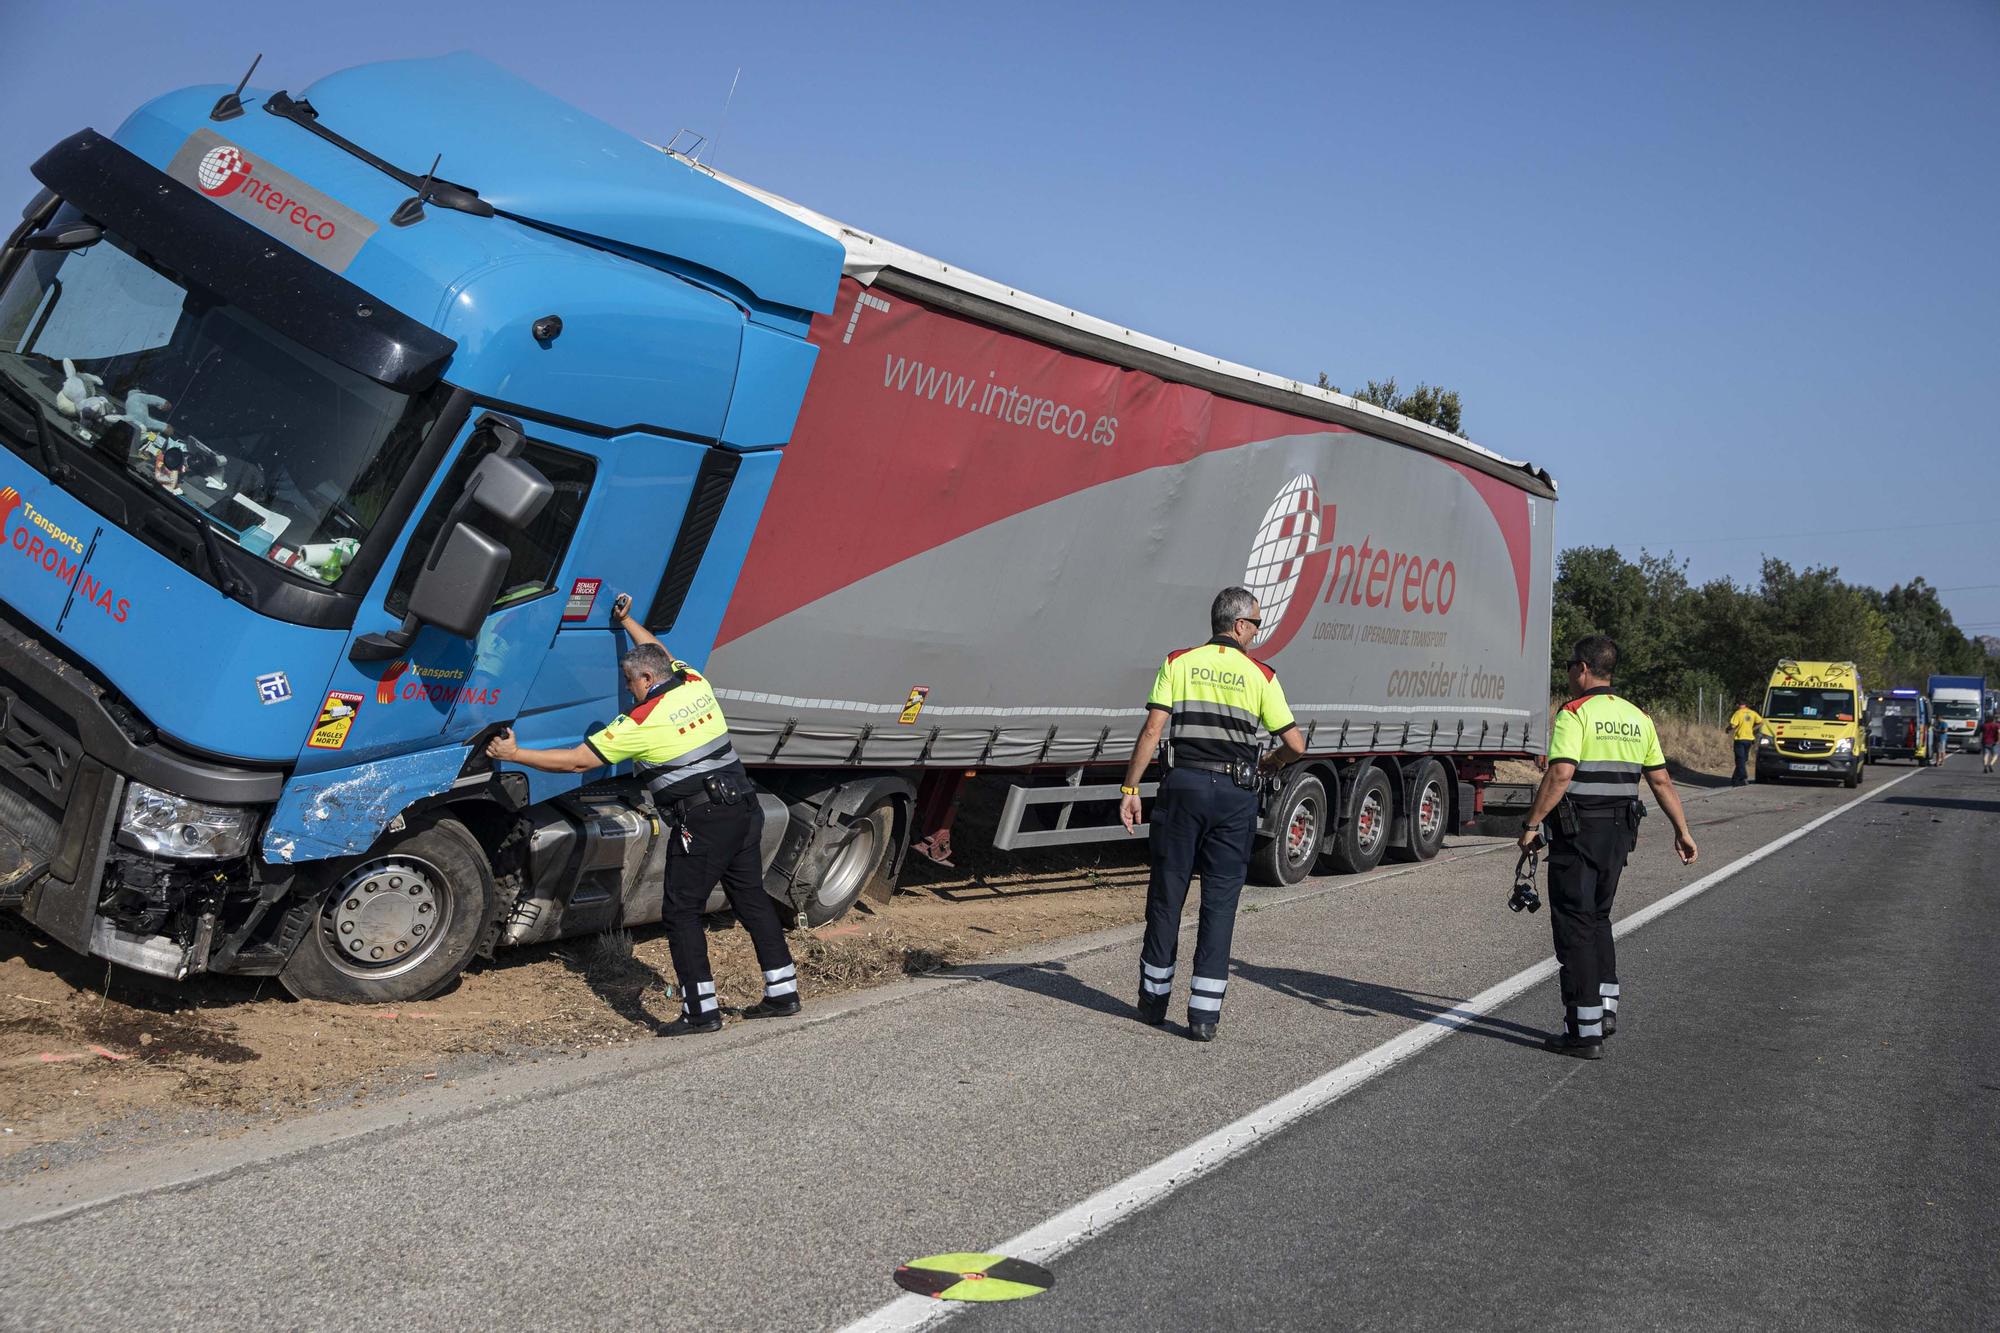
[(38, 756), (38, 749)]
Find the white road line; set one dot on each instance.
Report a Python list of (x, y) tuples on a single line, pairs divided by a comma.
[(1111, 1205)]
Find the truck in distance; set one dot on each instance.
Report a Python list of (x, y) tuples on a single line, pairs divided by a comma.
[(1956, 701), (320, 466)]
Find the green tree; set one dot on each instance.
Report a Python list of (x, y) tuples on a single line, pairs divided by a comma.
[(1428, 403)]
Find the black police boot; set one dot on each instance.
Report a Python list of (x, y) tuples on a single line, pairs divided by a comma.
[(1610, 1022), (1202, 1031), (1152, 1009), (1562, 1043), (687, 1027), (782, 1007)]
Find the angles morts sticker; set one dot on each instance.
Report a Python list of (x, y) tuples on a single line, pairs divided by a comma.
[(336, 719)]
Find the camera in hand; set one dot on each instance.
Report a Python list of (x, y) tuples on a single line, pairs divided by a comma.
[(1525, 895)]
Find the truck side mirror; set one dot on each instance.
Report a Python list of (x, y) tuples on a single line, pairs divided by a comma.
[(460, 578), (458, 586), (510, 490)]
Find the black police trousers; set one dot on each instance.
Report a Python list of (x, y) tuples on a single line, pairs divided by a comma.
[(723, 842), (1583, 879), (1202, 823)]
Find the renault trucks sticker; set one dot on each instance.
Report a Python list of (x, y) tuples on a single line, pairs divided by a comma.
[(274, 688), (336, 719), (275, 202), (582, 597)]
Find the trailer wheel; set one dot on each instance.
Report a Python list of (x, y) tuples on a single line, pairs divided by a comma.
[(1300, 818), (854, 856), (1429, 811), (1364, 835), (400, 923)]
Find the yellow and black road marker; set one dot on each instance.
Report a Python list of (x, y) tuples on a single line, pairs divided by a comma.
[(974, 1277)]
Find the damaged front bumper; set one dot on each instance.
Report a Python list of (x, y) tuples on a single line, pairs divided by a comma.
[(68, 748)]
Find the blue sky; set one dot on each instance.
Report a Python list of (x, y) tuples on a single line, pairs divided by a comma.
[(1728, 271)]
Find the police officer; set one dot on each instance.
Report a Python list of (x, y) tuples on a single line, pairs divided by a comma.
[(1215, 698), (679, 742), (1599, 747)]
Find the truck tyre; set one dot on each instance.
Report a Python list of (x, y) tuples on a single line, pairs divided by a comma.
[(398, 924), (1427, 814), (855, 855), (1300, 817), (1363, 836), (1852, 778)]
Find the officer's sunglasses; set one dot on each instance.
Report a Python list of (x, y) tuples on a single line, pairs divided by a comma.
[(1574, 663), (1255, 620)]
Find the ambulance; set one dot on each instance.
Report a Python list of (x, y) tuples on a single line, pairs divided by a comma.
[(1814, 712)]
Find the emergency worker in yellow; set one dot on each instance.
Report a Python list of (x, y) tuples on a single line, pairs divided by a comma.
[(679, 743), (1213, 703), (1744, 724), (1599, 748)]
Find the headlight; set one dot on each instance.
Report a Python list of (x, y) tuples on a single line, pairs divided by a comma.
[(1765, 742), (164, 824), (1845, 745)]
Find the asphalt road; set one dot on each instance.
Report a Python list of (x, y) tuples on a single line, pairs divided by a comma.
[(775, 1175), (1797, 1126)]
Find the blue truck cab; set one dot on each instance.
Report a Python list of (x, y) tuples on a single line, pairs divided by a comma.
[(331, 422)]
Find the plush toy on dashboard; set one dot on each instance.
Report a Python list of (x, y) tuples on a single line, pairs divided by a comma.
[(79, 397), (170, 455)]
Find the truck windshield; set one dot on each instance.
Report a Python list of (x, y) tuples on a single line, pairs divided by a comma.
[(1810, 705), (281, 450), (1958, 710)]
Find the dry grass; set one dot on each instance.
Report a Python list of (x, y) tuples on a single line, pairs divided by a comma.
[(1700, 747)]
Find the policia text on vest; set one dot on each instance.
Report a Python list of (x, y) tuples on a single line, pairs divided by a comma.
[(679, 744), (1588, 805), (1217, 700)]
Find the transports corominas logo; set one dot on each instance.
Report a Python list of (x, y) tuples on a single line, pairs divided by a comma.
[(1288, 561), (222, 171)]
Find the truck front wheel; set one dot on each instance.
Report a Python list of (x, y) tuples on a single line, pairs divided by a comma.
[(399, 924)]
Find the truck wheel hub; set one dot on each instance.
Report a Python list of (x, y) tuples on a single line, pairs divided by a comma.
[(384, 917), (1430, 812)]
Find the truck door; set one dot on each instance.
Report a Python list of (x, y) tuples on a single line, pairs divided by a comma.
[(444, 688), (471, 685)]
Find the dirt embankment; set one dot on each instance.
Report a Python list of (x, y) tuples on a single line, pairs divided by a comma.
[(86, 1051)]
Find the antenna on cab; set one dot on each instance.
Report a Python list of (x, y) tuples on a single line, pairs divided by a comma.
[(230, 105)]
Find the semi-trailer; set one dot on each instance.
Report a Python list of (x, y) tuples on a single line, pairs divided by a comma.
[(323, 462)]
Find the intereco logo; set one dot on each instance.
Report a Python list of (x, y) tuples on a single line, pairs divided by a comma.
[(222, 170), (272, 200), (1288, 561), (1291, 553)]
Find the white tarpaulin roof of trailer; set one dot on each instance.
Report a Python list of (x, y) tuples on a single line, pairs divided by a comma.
[(868, 256)]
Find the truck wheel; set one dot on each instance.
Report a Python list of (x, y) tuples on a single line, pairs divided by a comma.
[(1300, 818), (1430, 808), (854, 857), (399, 924), (1852, 778), (1364, 835)]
